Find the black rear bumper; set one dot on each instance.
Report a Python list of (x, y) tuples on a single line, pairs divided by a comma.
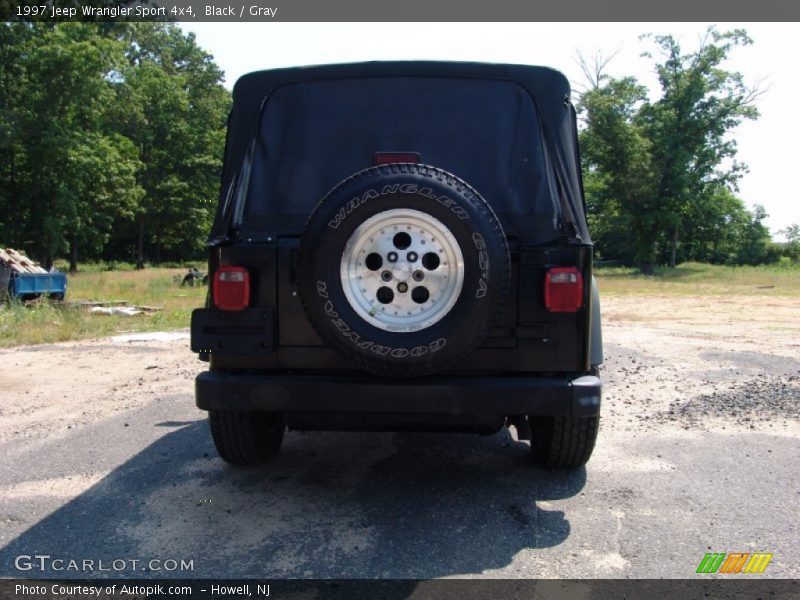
[(542, 396)]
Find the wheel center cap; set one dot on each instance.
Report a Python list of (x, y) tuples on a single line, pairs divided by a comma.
[(402, 271)]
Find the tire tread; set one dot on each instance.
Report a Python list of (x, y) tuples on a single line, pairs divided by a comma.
[(246, 438), (563, 442)]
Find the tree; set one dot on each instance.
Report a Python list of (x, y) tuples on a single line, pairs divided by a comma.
[(101, 171), (179, 128), (62, 90), (14, 212), (792, 234), (713, 227), (655, 168), (754, 239), (105, 128), (619, 177), (688, 126)]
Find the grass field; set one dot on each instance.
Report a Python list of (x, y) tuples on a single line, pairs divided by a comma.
[(698, 279), (43, 321)]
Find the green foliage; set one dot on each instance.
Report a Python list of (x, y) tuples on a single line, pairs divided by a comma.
[(108, 133), (661, 173), (180, 130), (619, 171), (792, 247), (754, 240)]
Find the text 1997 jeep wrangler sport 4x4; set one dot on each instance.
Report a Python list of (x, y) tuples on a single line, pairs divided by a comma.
[(401, 247)]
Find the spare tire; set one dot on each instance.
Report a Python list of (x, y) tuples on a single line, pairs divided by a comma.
[(403, 269)]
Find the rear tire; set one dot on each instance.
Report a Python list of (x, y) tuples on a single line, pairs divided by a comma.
[(563, 442), (246, 438)]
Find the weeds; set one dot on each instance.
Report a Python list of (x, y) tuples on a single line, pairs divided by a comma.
[(43, 321)]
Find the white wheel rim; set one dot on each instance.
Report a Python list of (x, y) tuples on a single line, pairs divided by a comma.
[(423, 281)]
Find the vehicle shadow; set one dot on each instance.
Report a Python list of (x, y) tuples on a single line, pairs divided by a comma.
[(331, 505)]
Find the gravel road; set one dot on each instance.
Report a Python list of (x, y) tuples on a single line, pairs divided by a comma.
[(106, 458)]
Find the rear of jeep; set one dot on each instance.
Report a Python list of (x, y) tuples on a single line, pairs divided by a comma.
[(401, 247)]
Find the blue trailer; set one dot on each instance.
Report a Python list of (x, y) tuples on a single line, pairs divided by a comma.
[(30, 285), (22, 278)]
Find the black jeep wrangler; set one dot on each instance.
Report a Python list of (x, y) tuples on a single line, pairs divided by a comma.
[(401, 246)]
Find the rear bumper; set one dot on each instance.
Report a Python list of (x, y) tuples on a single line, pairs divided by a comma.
[(541, 396)]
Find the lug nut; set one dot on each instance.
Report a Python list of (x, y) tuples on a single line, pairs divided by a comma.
[(402, 287), (392, 257), (418, 275), (412, 256), (386, 275)]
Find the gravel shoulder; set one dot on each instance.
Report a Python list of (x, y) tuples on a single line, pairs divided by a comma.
[(105, 457)]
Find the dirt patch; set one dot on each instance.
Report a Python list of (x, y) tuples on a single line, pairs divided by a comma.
[(53, 388), (707, 363)]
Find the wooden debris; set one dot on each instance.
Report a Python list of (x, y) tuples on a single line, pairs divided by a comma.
[(18, 262)]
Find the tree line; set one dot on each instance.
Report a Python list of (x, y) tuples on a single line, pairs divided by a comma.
[(112, 135), (660, 175), (111, 141)]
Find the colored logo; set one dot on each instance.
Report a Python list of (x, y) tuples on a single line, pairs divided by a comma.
[(734, 562)]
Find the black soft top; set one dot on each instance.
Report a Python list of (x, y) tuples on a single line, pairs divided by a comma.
[(507, 130)]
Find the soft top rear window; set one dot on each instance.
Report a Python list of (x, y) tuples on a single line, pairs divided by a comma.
[(312, 135)]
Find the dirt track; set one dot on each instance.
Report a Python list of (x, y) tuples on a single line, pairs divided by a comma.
[(105, 457)]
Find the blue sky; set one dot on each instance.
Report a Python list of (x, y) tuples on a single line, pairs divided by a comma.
[(766, 145)]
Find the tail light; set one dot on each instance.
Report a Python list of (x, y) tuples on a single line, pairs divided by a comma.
[(231, 288), (563, 289)]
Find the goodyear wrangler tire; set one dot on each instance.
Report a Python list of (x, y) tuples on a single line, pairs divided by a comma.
[(403, 269)]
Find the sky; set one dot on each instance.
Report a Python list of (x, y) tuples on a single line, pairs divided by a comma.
[(765, 145)]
